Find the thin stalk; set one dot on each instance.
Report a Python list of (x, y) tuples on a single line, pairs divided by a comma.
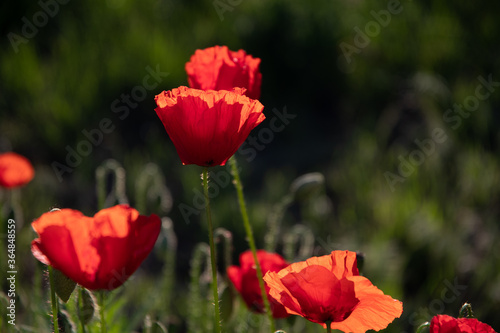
[(251, 240), (213, 258), (53, 301), (328, 327), (101, 311), (80, 307)]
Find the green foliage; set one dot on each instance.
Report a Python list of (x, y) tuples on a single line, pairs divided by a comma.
[(434, 226), (63, 285)]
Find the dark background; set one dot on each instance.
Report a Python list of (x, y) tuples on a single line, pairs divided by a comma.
[(357, 117)]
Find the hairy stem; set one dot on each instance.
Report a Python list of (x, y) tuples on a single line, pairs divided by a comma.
[(213, 258), (250, 238), (53, 300)]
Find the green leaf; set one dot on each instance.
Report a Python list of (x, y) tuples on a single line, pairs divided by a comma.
[(63, 285)]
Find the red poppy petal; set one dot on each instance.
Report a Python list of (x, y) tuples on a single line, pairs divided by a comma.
[(146, 231), (126, 238), (291, 304), (340, 263), (203, 67), (271, 261), (448, 324), (314, 290), (207, 127), (251, 292), (280, 293), (235, 276), (65, 247), (322, 297), (244, 278), (475, 325), (375, 310), (100, 252), (181, 116), (37, 252), (277, 308), (218, 68), (230, 75), (444, 324), (110, 231)]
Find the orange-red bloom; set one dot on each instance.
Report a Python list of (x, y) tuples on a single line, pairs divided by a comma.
[(15, 170), (207, 127), (218, 68), (100, 252), (448, 324), (244, 279), (329, 289)]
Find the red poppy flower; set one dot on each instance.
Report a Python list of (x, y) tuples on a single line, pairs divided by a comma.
[(218, 68), (448, 324), (329, 289), (207, 127), (100, 252), (15, 170), (244, 279)]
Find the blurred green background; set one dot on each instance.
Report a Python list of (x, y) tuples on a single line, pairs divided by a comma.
[(369, 84)]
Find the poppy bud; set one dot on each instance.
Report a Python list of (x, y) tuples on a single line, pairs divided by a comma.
[(307, 185)]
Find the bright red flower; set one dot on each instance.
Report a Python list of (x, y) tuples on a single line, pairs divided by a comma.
[(329, 289), (207, 127), (15, 170), (100, 252), (218, 68), (244, 279), (448, 324)]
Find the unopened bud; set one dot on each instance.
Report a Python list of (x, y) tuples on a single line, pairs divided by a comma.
[(307, 185)]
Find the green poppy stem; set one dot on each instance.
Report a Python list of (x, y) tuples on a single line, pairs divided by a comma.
[(53, 300), (101, 311), (213, 258), (328, 327), (80, 306), (251, 241)]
